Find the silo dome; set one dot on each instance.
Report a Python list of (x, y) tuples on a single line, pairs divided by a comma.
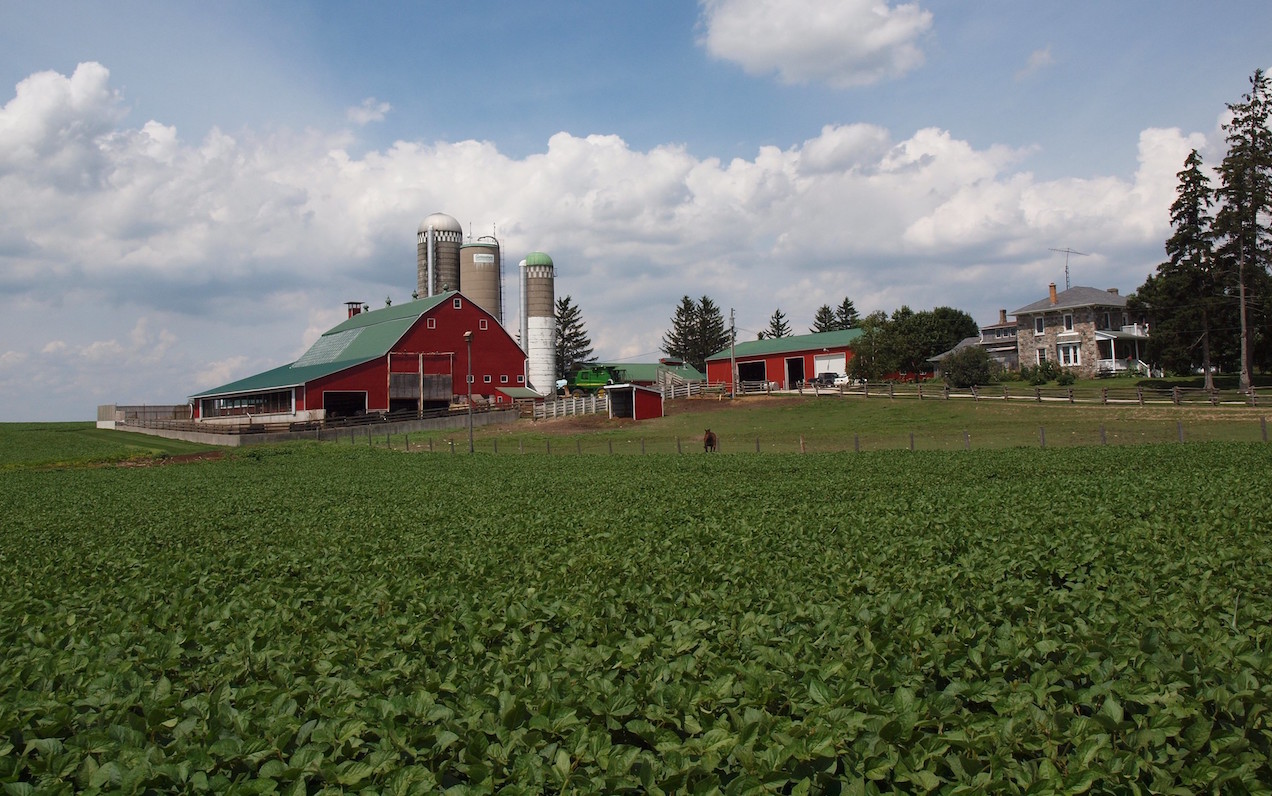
[(538, 258), (440, 222)]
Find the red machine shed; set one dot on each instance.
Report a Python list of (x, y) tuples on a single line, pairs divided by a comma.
[(785, 361), (409, 357)]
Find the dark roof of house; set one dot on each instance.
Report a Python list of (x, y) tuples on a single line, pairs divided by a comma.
[(787, 345), (964, 343), (1074, 297), (362, 338)]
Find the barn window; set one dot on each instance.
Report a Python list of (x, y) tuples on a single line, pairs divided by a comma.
[(432, 323), (458, 303), (486, 379), (482, 324), (503, 379), (521, 379)]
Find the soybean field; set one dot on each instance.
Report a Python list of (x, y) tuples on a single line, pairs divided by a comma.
[(313, 618)]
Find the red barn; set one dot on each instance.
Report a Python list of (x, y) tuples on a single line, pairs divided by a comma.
[(408, 357), (785, 361)]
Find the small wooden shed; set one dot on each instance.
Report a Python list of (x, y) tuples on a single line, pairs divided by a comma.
[(634, 401)]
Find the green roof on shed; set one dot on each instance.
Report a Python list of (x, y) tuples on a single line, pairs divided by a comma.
[(362, 338), (648, 371), (789, 345)]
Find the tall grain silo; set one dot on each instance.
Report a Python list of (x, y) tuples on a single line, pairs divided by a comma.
[(437, 254), (538, 313), (481, 274)]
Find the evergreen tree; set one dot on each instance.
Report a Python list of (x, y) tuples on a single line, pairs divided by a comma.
[(824, 320), (1245, 194), (713, 335), (573, 346), (697, 331), (846, 314), (1186, 298), (778, 327)]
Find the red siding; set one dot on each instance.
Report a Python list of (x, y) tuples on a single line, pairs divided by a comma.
[(718, 371), (649, 404)]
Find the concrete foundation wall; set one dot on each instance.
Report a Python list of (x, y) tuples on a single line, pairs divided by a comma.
[(210, 437)]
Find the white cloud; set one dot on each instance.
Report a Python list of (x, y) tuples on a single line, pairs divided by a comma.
[(1038, 60), (371, 110), (846, 43), (188, 264)]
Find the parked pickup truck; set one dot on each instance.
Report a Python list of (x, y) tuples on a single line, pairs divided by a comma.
[(824, 380)]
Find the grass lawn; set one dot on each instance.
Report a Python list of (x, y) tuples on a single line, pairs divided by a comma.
[(833, 423)]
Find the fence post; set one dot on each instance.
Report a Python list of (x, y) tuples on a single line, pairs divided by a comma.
[(975, 393), (1038, 394), (578, 445), (757, 444), (1104, 440), (1174, 395), (1070, 395), (1104, 395), (856, 441), (967, 441), (549, 447), (1042, 437), (1179, 428), (521, 446), (678, 445), (1006, 394), (1263, 421), (611, 447), (452, 445), (430, 444), (801, 444), (866, 390), (920, 386), (911, 440), (642, 446), (1139, 392), (496, 441), (407, 438), (891, 394)]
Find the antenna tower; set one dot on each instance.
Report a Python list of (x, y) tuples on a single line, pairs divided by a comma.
[(1066, 251)]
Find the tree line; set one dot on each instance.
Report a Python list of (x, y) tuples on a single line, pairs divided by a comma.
[(1210, 301)]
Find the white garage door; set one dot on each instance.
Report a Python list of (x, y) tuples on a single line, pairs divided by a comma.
[(830, 363)]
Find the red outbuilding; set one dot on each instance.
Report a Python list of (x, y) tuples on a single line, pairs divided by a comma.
[(408, 357), (634, 401), (785, 362)]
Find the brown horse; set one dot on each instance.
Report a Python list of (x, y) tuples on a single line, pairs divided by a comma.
[(709, 442)]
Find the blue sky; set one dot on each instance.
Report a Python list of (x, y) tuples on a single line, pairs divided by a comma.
[(190, 191)]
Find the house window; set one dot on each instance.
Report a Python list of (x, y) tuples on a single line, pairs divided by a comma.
[(482, 324), (432, 323), (1069, 354), (1106, 321), (1039, 324), (1068, 323), (458, 304), (1042, 355)]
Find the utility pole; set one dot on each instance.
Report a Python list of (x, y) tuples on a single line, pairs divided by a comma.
[(733, 358), (1066, 251)]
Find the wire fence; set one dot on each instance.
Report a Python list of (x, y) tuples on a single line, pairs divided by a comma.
[(1042, 436)]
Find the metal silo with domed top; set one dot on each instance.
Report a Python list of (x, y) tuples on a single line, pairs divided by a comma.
[(437, 254)]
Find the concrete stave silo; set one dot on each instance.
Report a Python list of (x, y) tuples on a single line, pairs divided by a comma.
[(438, 241), (538, 314), (480, 275)]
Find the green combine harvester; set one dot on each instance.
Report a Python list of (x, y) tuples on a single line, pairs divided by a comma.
[(597, 377)]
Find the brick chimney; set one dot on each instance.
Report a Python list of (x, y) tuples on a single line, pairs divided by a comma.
[(1053, 293), (1002, 316)]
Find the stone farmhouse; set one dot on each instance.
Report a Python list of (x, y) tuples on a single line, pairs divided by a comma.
[(1083, 329)]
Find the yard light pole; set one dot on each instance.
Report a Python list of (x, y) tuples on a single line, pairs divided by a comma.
[(468, 340)]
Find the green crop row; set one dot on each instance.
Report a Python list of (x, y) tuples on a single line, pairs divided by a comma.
[(314, 618)]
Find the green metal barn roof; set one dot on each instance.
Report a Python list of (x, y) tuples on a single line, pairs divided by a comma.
[(648, 371), (788, 345), (362, 338)]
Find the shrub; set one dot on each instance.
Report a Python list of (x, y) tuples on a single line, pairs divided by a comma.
[(968, 366), (1066, 378)]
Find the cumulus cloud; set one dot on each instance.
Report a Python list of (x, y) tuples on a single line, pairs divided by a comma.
[(845, 44), (371, 110), (197, 262)]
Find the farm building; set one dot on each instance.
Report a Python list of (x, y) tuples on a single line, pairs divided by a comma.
[(1084, 329), (408, 357), (634, 401), (663, 371), (785, 361)]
